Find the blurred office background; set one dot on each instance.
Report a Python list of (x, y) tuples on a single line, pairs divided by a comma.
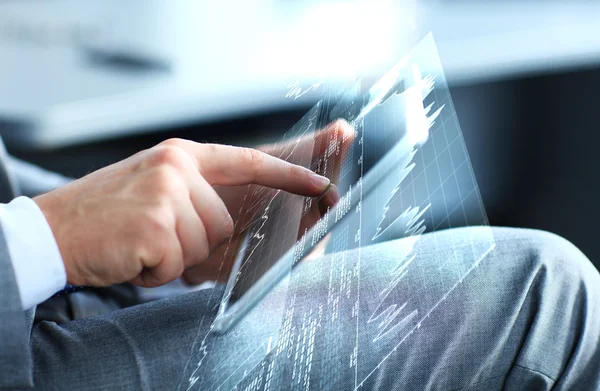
[(86, 83)]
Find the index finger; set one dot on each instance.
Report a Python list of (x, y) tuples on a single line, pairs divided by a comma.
[(227, 165)]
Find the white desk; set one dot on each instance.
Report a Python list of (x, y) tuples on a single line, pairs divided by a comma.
[(225, 61)]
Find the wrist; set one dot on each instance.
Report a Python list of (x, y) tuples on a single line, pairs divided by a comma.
[(36, 260), (49, 204)]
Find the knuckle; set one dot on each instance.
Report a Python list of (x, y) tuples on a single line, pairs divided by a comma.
[(203, 252), (173, 142), (151, 239), (156, 227), (167, 182), (228, 226), (167, 155), (252, 157), (141, 250), (178, 269), (221, 232)]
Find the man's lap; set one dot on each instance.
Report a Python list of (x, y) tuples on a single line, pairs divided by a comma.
[(516, 318), (529, 311)]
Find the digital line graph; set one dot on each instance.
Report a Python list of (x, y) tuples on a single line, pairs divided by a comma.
[(341, 316)]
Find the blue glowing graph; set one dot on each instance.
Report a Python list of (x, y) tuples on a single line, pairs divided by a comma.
[(350, 303)]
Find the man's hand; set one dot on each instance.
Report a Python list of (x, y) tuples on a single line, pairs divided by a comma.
[(332, 142), (150, 217)]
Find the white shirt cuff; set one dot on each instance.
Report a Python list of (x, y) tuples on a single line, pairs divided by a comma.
[(36, 259)]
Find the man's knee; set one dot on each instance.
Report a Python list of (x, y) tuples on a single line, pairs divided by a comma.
[(546, 255), (527, 272), (556, 290)]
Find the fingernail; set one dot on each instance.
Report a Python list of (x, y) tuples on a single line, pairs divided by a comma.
[(320, 181), (329, 199), (333, 196)]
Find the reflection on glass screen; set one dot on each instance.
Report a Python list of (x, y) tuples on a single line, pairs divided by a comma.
[(343, 306)]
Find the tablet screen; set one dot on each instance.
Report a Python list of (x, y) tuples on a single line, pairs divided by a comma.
[(274, 222), (318, 296)]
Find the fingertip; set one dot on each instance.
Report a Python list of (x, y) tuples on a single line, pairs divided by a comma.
[(329, 199), (341, 123), (332, 195), (343, 126), (320, 182)]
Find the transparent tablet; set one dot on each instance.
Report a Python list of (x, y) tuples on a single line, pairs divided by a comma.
[(346, 277)]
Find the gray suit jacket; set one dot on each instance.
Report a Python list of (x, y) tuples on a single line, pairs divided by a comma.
[(16, 178), (15, 327)]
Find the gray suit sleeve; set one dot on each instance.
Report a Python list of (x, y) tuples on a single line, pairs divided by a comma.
[(15, 328)]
